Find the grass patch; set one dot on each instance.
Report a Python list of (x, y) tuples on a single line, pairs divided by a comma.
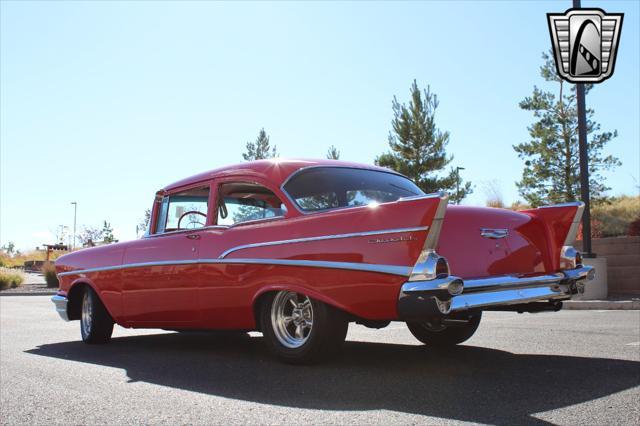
[(10, 278)]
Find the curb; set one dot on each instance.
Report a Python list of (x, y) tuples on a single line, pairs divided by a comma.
[(602, 304), (24, 293)]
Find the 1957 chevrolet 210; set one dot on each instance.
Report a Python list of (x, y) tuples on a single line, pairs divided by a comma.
[(297, 249)]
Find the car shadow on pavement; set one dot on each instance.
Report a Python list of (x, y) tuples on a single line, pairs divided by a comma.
[(465, 383)]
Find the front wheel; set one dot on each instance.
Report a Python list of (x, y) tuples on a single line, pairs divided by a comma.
[(301, 330), (96, 325), (440, 335)]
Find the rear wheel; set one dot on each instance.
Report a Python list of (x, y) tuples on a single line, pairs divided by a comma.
[(301, 330), (440, 335), (96, 325)]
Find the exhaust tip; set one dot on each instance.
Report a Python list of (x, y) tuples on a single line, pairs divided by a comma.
[(455, 287)]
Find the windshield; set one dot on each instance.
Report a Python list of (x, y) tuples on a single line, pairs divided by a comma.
[(324, 188)]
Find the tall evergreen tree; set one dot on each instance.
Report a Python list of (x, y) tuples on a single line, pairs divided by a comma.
[(333, 153), (552, 163), (418, 146), (260, 149)]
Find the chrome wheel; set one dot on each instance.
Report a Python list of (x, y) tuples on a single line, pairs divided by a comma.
[(87, 314), (292, 318)]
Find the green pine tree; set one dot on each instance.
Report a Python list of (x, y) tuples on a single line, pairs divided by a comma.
[(333, 153), (418, 146), (107, 233), (260, 149), (552, 166)]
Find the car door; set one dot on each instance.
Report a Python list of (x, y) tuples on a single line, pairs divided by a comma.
[(161, 277)]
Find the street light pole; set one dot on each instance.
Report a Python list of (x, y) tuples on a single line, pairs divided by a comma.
[(458, 184), (75, 215), (584, 164)]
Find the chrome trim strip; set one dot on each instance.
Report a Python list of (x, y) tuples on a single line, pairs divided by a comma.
[(366, 267), (568, 204), (421, 197), (182, 231), (61, 306), (322, 237)]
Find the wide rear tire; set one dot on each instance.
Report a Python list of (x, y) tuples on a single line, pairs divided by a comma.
[(301, 330), (96, 325), (445, 335)]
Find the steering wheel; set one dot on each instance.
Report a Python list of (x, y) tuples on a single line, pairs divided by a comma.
[(192, 222)]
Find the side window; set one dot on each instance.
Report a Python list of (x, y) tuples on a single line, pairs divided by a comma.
[(242, 202), (184, 210)]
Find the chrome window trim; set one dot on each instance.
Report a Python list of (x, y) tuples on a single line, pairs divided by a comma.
[(322, 237), (316, 166), (252, 221), (365, 267), (182, 231)]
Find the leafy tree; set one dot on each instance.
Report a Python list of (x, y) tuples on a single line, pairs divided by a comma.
[(260, 149), (90, 235), (552, 162), (9, 248), (418, 146), (333, 153)]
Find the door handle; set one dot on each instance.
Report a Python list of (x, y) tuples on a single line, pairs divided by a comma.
[(193, 236)]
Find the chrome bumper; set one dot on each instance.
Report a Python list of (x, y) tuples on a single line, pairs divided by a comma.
[(61, 306), (422, 299)]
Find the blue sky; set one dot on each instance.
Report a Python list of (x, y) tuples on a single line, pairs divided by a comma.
[(103, 103)]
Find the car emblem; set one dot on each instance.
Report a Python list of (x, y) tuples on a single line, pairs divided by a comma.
[(392, 239), (585, 43), (494, 233)]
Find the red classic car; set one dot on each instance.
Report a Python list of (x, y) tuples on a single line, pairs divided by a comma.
[(297, 249)]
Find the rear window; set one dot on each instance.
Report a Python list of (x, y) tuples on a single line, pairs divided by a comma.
[(325, 188)]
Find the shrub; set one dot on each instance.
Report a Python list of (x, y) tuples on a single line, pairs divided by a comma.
[(10, 279), (49, 271), (615, 215), (634, 228)]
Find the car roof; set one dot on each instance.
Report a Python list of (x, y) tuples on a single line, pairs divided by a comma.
[(275, 170)]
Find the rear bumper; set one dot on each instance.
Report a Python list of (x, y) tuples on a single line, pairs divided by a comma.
[(424, 299), (61, 306)]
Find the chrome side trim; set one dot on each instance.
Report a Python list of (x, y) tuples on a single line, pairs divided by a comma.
[(322, 237), (366, 267), (61, 306)]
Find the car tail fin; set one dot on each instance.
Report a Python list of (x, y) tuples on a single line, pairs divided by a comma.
[(561, 223), (429, 264)]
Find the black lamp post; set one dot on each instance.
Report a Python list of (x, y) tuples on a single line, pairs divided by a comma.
[(584, 165)]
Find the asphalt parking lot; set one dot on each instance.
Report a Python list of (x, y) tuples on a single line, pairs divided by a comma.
[(571, 367)]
